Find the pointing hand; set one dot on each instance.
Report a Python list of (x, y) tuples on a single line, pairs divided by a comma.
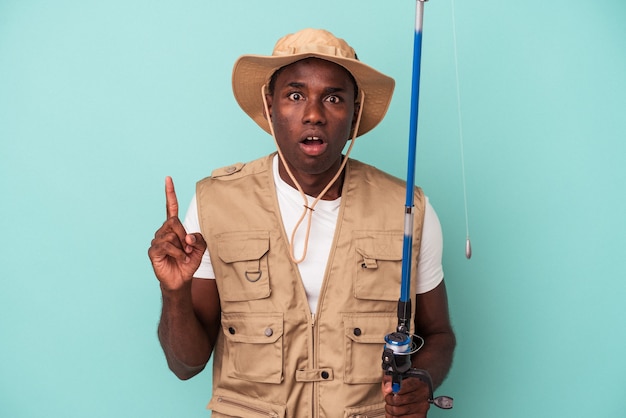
[(175, 255)]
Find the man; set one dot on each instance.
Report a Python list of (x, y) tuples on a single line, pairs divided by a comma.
[(288, 268)]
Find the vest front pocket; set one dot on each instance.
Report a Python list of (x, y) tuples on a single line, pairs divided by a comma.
[(378, 265), (227, 404), (364, 345), (253, 346), (368, 411), (245, 273)]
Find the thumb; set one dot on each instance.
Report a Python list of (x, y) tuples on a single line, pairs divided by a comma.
[(195, 244), (386, 385)]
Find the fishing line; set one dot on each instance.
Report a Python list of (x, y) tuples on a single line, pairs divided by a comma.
[(468, 243)]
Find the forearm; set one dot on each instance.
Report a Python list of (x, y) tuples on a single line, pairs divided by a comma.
[(184, 339), (436, 356)]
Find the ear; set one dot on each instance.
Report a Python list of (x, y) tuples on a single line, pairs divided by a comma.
[(355, 117), (269, 99)]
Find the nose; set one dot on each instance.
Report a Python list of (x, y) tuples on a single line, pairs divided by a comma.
[(314, 113)]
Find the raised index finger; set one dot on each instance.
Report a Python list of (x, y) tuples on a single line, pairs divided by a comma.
[(171, 202)]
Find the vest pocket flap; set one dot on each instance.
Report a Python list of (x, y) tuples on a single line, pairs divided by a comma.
[(242, 246), (369, 328), (379, 245), (252, 328), (383, 255), (370, 260)]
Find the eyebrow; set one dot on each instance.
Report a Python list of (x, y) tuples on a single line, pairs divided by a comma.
[(295, 84), (327, 90)]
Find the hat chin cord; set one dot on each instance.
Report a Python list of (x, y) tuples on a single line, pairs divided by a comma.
[(308, 209)]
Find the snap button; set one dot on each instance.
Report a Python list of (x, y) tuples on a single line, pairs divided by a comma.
[(325, 375), (230, 169), (269, 332), (231, 330), (357, 331)]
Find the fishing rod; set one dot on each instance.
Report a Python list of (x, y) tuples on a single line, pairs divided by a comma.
[(399, 345)]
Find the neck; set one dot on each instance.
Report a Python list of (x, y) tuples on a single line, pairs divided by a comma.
[(314, 184)]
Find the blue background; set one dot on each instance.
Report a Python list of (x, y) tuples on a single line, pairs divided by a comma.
[(99, 101)]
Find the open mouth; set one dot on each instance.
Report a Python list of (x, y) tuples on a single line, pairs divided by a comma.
[(312, 140), (313, 145)]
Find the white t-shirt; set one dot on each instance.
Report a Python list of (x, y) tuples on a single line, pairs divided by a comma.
[(313, 267)]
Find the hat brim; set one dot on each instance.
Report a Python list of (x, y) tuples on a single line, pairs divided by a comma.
[(251, 72)]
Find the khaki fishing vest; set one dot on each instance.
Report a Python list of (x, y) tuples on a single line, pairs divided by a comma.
[(273, 358)]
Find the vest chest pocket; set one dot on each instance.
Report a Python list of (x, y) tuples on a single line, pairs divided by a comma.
[(245, 273), (378, 265), (254, 346), (364, 344)]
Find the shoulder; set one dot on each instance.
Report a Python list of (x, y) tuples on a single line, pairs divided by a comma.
[(381, 181), (239, 170), (366, 171)]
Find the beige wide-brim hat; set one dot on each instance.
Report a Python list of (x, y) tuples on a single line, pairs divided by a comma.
[(251, 72)]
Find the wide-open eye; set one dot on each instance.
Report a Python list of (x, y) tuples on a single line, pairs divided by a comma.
[(295, 96), (333, 99)]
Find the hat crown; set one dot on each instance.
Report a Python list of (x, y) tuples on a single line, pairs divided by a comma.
[(315, 41)]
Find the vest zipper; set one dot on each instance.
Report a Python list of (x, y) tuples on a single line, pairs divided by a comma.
[(247, 407), (313, 348)]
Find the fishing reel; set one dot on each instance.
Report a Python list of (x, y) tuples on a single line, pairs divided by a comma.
[(397, 363)]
